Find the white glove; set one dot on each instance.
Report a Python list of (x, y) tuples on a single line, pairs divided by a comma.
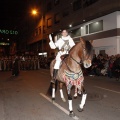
[(52, 45), (50, 37)]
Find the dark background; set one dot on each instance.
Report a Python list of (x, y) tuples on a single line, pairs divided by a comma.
[(16, 15), (14, 12)]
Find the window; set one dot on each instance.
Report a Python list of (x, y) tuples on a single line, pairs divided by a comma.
[(77, 5), (86, 29), (56, 2), (102, 52), (76, 32), (44, 29), (87, 3), (49, 6), (39, 30), (49, 22), (65, 12), (96, 26), (36, 31), (57, 18)]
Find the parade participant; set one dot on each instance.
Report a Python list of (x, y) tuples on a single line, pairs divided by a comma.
[(63, 44), (15, 70)]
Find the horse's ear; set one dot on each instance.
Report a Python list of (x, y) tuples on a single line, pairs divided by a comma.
[(91, 41), (82, 40)]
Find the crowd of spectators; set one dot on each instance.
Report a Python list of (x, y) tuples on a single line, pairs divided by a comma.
[(105, 66), (25, 62), (102, 65)]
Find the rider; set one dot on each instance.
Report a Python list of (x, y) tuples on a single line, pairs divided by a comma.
[(64, 44)]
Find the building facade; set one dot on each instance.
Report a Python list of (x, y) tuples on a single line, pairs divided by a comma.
[(96, 20)]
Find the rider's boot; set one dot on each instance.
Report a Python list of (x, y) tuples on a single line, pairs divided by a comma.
[(54, 75)]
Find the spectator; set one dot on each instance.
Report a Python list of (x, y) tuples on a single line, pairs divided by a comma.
[(117, 69)]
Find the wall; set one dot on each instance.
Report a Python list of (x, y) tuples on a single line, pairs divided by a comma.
[(118, 19), (118, 44), (107, 44), (111, 44)]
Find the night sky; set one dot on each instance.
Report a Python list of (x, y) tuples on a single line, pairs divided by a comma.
[(14, 12), (14, 15)]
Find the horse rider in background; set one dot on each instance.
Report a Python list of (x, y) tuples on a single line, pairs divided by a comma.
[(63, 44)]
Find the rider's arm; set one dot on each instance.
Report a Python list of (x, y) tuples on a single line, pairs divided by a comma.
[(51, 43), (57, 43)]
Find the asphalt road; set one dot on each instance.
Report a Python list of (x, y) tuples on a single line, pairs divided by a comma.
[(21, 99)]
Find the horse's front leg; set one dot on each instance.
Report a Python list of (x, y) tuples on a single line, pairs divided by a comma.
[(61, 92), (71, 114), (83, 100)]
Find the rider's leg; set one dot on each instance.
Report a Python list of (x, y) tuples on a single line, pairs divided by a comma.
[(55, 70), (55, 73), (57, 65)]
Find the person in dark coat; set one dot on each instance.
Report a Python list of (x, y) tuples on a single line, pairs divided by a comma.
[(15, 70)]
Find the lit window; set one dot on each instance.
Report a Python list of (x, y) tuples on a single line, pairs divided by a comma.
[(96, 26)]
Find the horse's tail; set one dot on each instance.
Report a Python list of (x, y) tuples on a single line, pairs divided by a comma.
[(49, 91)]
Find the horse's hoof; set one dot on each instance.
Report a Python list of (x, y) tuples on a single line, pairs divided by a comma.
[(75, 97), (53, 100), (80, 109), (80, 95), (72, 114), (63, 99)]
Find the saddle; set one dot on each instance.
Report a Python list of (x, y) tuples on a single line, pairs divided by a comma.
[(64, 56)]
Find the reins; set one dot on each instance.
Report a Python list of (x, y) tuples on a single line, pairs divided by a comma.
[(76, 60), (73, 60)]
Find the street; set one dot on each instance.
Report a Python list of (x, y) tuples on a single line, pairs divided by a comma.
[(21, 98)]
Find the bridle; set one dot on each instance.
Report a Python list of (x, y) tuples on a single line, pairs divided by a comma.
[(74, 60), (81, 61)]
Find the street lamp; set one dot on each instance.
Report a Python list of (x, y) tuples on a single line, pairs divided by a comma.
[(34, 12)]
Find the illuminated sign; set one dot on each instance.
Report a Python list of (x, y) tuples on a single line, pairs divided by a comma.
[(9, 32), (44, 53), (2, 43)]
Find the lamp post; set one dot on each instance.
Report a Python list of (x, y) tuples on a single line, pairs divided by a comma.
[(35, 13)]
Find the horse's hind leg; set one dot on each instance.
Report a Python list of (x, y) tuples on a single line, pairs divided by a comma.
[(61, 92), (54, 89), (53, 92), (83, 100)]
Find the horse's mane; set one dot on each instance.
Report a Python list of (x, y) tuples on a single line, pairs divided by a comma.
[(88, 48)]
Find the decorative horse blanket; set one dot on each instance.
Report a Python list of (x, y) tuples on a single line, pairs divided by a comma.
[(73, 79)]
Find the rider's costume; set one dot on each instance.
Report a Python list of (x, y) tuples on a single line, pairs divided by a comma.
[(64, 44)]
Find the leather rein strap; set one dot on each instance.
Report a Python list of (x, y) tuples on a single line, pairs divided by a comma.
[(73, 60)]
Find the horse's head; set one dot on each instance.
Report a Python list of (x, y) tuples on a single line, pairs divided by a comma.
[(86, 53)]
